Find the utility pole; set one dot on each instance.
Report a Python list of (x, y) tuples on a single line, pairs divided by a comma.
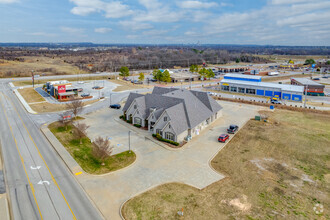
[(33, 78), (110, 97), (306, 88)]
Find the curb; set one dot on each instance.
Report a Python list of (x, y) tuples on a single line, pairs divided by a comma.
[(24, 103), (69, 168)]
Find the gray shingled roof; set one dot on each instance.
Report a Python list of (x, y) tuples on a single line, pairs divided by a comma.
[(207, 100), (162, 90), (178, 121), (186, 108), (196, 111), (130, 99)]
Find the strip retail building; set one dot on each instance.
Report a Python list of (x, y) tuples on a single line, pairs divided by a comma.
[(252, 85)]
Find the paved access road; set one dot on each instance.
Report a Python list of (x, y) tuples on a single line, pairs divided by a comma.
[(39, 184)]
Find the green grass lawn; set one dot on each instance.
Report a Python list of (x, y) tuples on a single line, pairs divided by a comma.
[(82, 153), (278, 169)]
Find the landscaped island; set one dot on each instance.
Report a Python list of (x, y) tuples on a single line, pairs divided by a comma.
[(81, 149)]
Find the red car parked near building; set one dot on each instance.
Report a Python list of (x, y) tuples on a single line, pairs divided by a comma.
[(222, 138)]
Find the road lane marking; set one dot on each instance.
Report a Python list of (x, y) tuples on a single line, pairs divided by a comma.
[(73, 215), (41, 182), (78, 173), (35, 168), (22, 160)]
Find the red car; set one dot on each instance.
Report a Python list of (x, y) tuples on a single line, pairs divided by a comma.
[(222, 138)]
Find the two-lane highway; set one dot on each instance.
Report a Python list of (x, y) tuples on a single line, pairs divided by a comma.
[(40, 185)]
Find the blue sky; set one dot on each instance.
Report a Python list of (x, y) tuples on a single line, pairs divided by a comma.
[(263, 22)]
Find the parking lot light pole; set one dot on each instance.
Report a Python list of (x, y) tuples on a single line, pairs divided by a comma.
[(110, 97), (129, 141)]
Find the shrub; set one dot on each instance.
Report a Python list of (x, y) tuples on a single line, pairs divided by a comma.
[(122, 117), (165, 140), (137, 125)]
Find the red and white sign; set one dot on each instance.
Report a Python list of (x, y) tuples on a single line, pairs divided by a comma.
[(61, 89)]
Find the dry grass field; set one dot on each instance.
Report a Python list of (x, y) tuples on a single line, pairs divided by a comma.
[(30, 95), (295, 58), (39, 64), (275, 170)]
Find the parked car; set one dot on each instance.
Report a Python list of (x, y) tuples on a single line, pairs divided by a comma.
[(153, 80), (222, 138), (96, 87), (232, 129), (325, 77), (137, 82), (316, 79), (116, 106), (85, 95), (276, 102), (81, 82)]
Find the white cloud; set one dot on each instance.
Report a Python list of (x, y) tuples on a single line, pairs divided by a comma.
[(73, 31), (44, 34), (8, 1), (135, 26), (196, 4), (113, 9), (102, 30)]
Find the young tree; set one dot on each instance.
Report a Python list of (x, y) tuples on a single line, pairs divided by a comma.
[(81, 130), (328, 62), (65, 119), (101, 148), (210, 73), (75, 106), (310, 61), (237, 60), (193, 68), (166, 77), (141, 77), (203, 72), (158, 75), (124, 71)]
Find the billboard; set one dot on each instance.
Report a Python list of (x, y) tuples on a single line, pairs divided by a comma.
[(61, 89)]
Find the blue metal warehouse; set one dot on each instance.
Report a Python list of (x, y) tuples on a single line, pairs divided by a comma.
[(252, 85)]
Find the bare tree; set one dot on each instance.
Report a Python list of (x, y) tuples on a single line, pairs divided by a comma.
[(81, 130), (65, 119), (75, 106), (101, 148)]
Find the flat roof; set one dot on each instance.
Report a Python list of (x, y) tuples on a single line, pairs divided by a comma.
[(66, 93), (243, 76), (183, 75), (305, 81), (285, 87)]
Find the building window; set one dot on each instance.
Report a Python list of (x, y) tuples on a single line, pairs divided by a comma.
[(135, 106), (159, 131), (250, 91), (137, 121), (233, 89), (169, 136), (225, 88), (169, 126), (165, 118), (241, 90)]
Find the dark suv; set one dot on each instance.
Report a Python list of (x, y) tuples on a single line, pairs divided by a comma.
[(232, 129), (116, 106)]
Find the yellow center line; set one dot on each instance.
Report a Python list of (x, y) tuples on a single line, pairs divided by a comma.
[(73, 215), (22, 160)]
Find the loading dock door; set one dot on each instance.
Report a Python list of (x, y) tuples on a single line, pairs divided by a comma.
[(269, 93), (286, 96), (260, 92), (277, 94), (296, 98)]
